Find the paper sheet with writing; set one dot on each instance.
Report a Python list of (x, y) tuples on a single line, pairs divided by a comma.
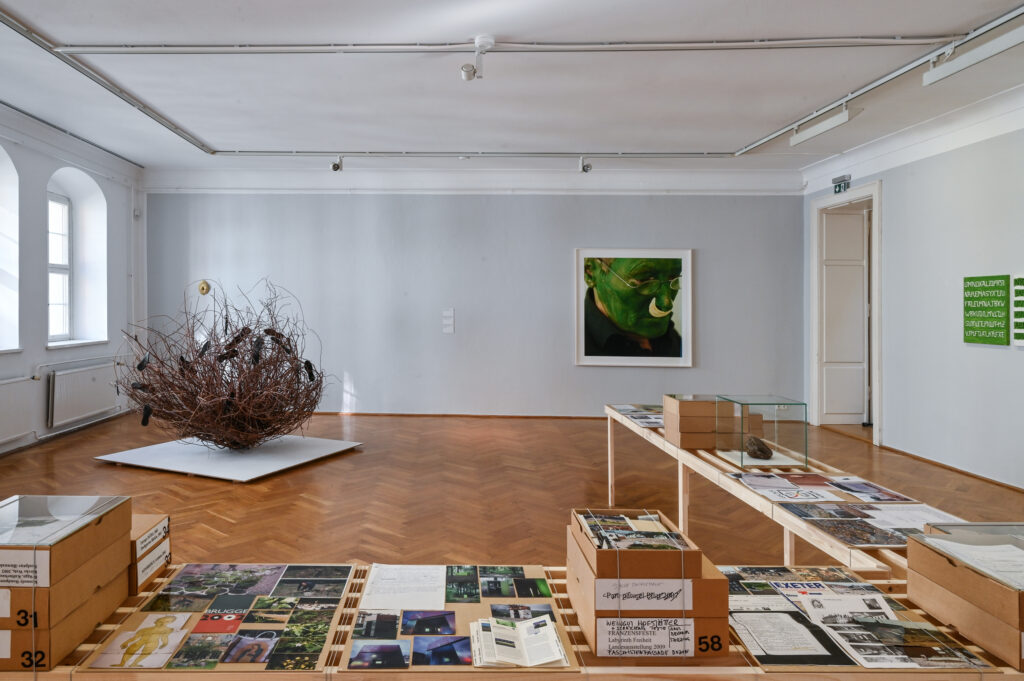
[(776, 633), (645, 637), (1005, 562), (24, 567), (766, 603), (911, 516), (644, 594), (404, 587)]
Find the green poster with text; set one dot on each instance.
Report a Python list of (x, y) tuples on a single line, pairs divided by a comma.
[(987, 309)]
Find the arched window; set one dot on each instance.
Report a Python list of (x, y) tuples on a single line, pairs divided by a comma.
[(77, 257), (8, 253)]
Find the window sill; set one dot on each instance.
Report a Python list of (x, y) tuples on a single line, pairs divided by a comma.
[(10, 351), (59, 345)]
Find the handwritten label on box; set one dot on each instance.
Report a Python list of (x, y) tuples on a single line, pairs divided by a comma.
[(644, 594), (645, 637)]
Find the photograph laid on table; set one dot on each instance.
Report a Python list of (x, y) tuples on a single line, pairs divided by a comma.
[(633, 307), (437, 622), (375, 654), (441, 650), (149, 645)]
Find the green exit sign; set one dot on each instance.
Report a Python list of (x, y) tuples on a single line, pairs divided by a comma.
[(840, 188)]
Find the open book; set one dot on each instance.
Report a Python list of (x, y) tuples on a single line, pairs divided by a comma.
[(530, 643)]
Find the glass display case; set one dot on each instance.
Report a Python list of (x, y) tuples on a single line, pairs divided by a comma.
[(28, 520), (761, 430)]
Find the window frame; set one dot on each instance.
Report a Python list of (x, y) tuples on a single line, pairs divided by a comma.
[(67, 270)]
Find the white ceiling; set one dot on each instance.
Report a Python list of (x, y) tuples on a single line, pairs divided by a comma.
[(589, 102)]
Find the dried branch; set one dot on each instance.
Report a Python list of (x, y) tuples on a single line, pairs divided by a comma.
[(231, 376)]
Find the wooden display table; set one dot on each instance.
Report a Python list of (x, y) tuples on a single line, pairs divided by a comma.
[(737, 664), (892, 561)]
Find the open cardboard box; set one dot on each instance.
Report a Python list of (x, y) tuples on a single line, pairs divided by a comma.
[(980, 607), (641, 563)]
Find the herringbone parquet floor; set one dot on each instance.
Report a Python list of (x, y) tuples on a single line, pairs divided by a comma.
[(453, 490)]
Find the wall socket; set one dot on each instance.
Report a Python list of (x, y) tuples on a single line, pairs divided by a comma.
[(448, 320)]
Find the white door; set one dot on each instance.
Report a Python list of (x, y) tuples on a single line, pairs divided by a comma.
[(844, 316)]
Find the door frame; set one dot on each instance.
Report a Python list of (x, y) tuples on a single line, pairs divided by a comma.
[(815, 315)]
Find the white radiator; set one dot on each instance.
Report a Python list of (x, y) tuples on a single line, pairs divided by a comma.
[(80, 393), (15, 403)]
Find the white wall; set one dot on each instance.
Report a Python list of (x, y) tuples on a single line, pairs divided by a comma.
[(373, 273), (37, 152), (957, 214)]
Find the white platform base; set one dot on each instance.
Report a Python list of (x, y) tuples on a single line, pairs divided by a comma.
[(777, 460), (190, 457)]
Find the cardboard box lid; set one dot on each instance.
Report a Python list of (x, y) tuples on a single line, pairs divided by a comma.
[(43, 521), (62, 534), (1001, 600)]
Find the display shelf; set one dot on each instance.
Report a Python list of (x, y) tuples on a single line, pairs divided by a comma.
[(718, 471), (737, 664)]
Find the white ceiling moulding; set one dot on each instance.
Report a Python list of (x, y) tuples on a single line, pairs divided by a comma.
[(569, 181), (536, 47), (974, 56)]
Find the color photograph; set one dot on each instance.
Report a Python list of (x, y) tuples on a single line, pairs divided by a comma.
[(200, 651), (436, 622), (824, 510), (149, 645), (169, 603), (633, 307), (527, 587), (860, 533), (461, 584), (216, 579), (296, 663), (501, 571), (252, 646), (317, 572), (521, 611), (374, 654), (441, 650), (497, 587), (377, 624), (310, 588)]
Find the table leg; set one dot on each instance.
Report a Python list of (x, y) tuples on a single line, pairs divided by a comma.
[(611, 463), (788, 547), (684, 498)]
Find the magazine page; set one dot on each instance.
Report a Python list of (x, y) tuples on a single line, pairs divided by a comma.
[(508, 645), (540, 642)]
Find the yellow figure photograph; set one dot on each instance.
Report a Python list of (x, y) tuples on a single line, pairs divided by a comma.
[(149, 646)]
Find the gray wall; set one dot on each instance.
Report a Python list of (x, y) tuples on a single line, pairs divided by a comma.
[(943, 218), (373, 273)]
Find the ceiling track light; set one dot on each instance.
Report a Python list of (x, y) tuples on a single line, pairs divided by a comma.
[(470, 71), (822, 126), (967, 59)]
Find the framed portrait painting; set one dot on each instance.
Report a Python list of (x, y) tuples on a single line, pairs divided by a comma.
[(634, 307)]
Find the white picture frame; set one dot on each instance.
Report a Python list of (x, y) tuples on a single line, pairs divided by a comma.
[(585, 310)]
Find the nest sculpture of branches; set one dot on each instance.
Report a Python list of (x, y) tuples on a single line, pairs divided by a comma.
[(230, 376)]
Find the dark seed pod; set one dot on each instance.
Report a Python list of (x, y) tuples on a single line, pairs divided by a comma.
[(309, 370), (273, 333), (147, 411), (140, 386), (183, 362), (144, 363), (202, 350), (230, 354)]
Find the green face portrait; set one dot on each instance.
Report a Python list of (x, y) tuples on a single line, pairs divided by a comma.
[(636, 294)]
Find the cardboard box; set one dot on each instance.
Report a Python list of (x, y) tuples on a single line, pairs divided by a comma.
[(695, 405), (54, 644), (689, 424), (144, 572), (53, 562), (691, 440), (40, 607), (148, 530), (1000, 638), (707, 591), (988, 612), (642, 563)]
